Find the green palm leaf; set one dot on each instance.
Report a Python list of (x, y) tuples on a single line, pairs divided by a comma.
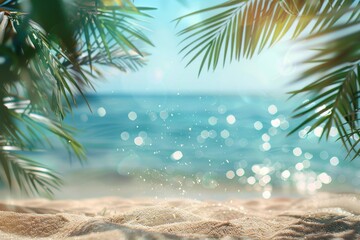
[(26, 130), (26, 175), (334, 95), (44, 70), (241, 28), (113, 28)]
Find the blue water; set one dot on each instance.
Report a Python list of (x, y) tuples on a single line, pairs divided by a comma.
[(208, 141)]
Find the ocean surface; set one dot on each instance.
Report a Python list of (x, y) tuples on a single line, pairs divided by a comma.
[(225, 143)]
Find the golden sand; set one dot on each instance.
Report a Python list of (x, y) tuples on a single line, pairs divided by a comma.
[(324, 216)]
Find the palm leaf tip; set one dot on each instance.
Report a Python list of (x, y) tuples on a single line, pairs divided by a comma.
[(21, 173), (335, 92), (113, 29)]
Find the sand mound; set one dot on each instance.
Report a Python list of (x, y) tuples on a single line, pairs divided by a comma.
[(325, 216)]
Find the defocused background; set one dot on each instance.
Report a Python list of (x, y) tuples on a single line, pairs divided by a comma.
[(164, 131)]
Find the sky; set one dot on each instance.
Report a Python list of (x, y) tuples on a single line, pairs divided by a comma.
[(165, 72)]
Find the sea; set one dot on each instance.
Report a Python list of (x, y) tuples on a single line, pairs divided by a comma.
[(222, 143)]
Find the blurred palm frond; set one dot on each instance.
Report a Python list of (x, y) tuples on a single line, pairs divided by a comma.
[(115, 29), (18, 171), (48, 56)]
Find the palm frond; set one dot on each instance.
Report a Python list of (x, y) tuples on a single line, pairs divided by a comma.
[(103, 26), (44, 69), (26, 175), (28, 120), (241, 28), (41, 65), (113, 29), (334, 95), (25, 131)]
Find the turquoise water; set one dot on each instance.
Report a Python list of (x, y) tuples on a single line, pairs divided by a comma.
[(211, 142)]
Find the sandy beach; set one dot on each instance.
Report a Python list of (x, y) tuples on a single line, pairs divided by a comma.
[(323, 216)]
